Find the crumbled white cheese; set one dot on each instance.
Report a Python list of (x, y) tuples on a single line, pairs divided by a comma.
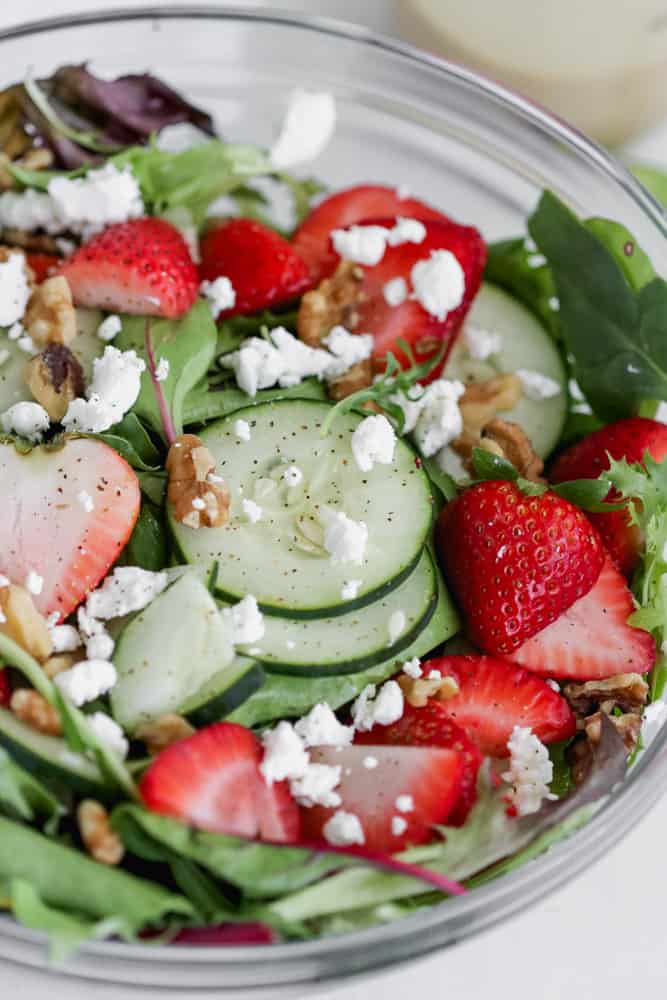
[(438, 283), (439, 420), (34, 583), (220, 294), (398, 825), (653, 720), (344, 539), (343, 829), (370, 762), (29, 210), (321, 728), (537, 386), (242, 430), (411, 405), (112, 392), (347, 348), (252, 510), (109, 732), (434, 675), (530, 771), (162, 370), (285, 756), (413, 668), (109, 328), (65, 638), (245, 621), (316, 786), (395, 291), (28, 420), (374, 707), (15, 331), (306, 129), (480, 343), (14, 288), (405, 803), (373, 440), (27, 345), (406, 231), (396, 626), (350, 589), (86, 681), (101, 197), (86, 501), (100, 645), (366, 244), (127, 589), (451, 463), (292, 475)]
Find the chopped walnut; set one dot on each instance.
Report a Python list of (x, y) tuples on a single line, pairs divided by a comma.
[(335, 302), (199, 497), (482, 401), (628, 691), (34, 242), (100, 840), (60, 662), (55, 378), (418, 690), (515, 446), (627, 726), (35, 158), (163, 732), (23, 622), (359, 376), (32, 708), (50, 317)]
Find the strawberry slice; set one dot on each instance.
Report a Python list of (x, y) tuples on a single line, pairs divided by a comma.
[(428, 777), (212, 781), (264, 269), (42, 265), (430, 725), (345, 208), (5, 689), (495, 696), (587, 459), (592, 639), (47, 527), (409, 321), (142, 267)]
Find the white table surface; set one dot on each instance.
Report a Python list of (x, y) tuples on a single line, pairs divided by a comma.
[(599, 937)]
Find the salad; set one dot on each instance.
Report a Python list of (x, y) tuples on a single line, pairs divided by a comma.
[(334, 547)]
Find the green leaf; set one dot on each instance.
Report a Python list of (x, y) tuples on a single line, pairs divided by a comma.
[(441, 481), (303, 190), (488, 466), (24, 797), (633, 262), (148, 546), (511, 265), (614, 333), (188, 345), (589, 494), (131, 440), (204, 404), (232, 331)]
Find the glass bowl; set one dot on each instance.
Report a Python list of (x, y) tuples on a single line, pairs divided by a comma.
[(463, 143)]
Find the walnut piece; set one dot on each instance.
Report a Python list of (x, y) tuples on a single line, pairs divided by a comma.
[(27, 240), (199, 497), (359, 376), (60, 662), (514, 445), (55, 378), (482, 401), (50, 317), (100, 840), (628, 691), (627, 726), (23, 622), (163, 732), (335, 302), (418, 690), (32, 708)]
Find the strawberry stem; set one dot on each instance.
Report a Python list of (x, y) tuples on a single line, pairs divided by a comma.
[(163, 406)]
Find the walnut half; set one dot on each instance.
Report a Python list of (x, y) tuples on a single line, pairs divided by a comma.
[(334, 302), (50, 317), (200, 498)]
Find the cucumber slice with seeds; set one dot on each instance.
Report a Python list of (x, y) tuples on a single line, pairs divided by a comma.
[(281, 559)]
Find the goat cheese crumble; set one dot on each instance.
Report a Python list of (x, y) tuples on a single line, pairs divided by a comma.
[(344, 539), (113, 391), (28, 420), (245, 620), (109, 732), (285, 756), (374, 707), (439, 420), (242, 430), (316, 786), (14, 288), (162, 370), (481, 344), (438, 283), (413, 668), (350, 589), (373, 440), (307, 129), (537, 386), (104, 196), (65, 638), (109, 328), (252, 510), (398, 825), (405, 803), (347, 348), (395, 291), (366, 244), (530, 771), (220, 293), (127, 589), (86, 681), (321, 728), (343, 829)]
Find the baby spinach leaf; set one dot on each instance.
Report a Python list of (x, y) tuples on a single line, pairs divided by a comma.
[(633, 262), (515, 267), (130, 439), (148, 546), (204, 404), (23, 797)]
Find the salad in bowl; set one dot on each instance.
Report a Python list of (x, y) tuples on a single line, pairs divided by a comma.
[(333, 551)]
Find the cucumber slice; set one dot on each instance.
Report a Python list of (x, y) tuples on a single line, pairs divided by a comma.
[(224, 692), (86, 347), (282, 696), (525, 344), (280, 559), (50, 758), (172, 648), (353, 641)]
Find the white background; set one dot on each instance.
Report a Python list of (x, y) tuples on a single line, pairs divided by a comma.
[(600, 937)]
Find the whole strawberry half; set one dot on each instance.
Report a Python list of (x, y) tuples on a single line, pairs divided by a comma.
[(515, 562), (312, 239), (629, 439), (142, 267), (264, 269), (212, 781), (495, 696), (431, 725)]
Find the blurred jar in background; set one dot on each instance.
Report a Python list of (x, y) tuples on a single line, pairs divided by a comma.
[(600, 64)]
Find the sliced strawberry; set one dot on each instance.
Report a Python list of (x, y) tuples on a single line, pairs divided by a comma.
[(5, 689), (212, 781), (515, 562), (141, 267), (629, 439), (592, 639), (430, 776), (42, 265), (431, 726), (495, 696), (264, 269), (46, 526), (345, 208)]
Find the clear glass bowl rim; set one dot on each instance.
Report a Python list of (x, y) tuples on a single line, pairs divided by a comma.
[(643, 786)]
